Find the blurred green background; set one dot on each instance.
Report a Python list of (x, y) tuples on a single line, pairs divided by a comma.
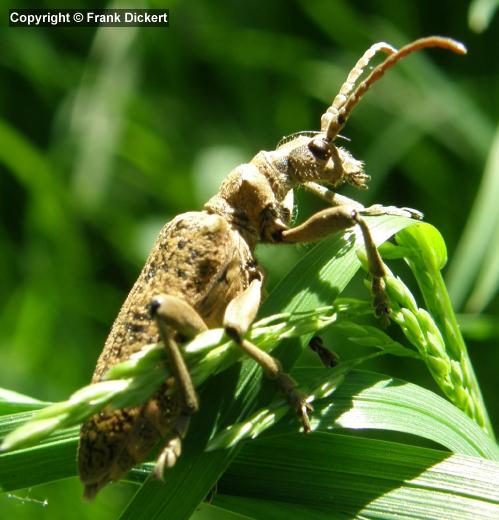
[(105, 134)]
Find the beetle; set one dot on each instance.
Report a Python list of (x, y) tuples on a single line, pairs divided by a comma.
[(202, 273)]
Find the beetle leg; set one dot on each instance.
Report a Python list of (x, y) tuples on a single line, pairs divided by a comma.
[(379, 209), (330, 220), (239, 315), (328, 358), (174, 315), (336, 199), (330, 196)]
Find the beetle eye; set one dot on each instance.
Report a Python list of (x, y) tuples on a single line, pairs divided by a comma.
[(320, 148)]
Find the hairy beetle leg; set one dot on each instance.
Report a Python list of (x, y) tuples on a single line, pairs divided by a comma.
[(238, 317), (173, 446), (338, 218), (336, 199), (328, 358), (174, 315)]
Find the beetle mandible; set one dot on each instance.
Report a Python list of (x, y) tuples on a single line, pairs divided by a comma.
[(202, 273)]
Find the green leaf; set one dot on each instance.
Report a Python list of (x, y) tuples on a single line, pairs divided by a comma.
[(425, 241), (373, 401), (12, 402), (51, 460), (334, 476), (366, 400), (210, 512), (474, 264)]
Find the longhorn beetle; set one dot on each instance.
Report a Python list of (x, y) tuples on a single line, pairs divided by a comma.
[(202, 273)]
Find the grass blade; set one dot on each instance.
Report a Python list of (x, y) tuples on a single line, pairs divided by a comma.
[(336, 476), (475, 254)]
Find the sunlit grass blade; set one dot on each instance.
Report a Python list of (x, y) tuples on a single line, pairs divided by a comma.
[(323, 386), (365, 400), (338, 476)]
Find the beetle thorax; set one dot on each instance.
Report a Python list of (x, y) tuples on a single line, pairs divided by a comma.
[(252, 203)]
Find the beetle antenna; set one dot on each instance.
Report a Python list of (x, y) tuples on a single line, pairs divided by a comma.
[(335, 117), (347, 87)]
